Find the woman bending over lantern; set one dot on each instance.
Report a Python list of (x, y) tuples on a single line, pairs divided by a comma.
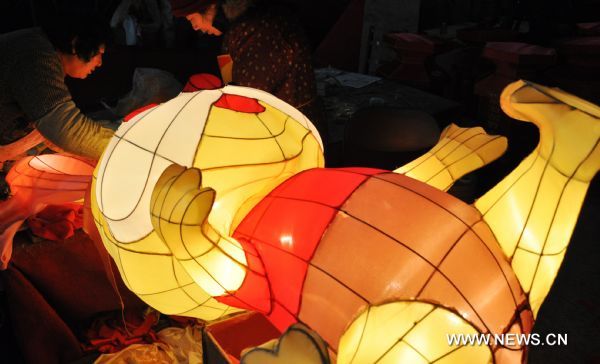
[(268, 47), (33, 94)]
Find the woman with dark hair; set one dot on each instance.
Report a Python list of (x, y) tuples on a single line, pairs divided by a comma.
[(33, 94), (267, 46)]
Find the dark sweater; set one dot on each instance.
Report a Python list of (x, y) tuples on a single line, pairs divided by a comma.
[(33, 94)]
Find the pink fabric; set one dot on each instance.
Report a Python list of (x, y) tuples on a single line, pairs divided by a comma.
[(36, 182)]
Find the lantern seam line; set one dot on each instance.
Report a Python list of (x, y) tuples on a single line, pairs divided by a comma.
[(461, 143), (401, 339), (362, 333), (434, 150), (287, 159), (517, 179), (181, 288), (471, 152), (537, 88), (256, 138), (413, 348), (275, 137), (215, 245), (153, 158), (208, 114), (535, 198), (556, 208), (331, 219), (454, 244)]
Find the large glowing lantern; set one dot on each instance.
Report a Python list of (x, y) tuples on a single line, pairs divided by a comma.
[(214, 199), (245, 141)]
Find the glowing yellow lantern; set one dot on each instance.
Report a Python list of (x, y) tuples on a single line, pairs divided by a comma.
[(533, 211), (215, 199), (245, 141)]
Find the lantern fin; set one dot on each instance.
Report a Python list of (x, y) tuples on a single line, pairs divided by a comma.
[(458, 152), (533, 211), (180, 207)]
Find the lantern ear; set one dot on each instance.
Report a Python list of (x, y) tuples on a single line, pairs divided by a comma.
[(458, 152), (179, 210)]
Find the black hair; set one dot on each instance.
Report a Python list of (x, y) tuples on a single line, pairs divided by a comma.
[(79, 34)]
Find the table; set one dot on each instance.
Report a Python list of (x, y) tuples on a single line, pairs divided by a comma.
[(343, 93)]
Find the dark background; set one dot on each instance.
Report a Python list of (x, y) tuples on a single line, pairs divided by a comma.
[(573, 305)]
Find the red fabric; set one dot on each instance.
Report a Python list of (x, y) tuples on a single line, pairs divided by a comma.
[(110, 334), (53, 289), (239, 103), (135, 112), (57, 222), (202, 81)]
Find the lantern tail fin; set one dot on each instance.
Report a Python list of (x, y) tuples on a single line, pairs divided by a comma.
[(533, 211), (458, 152), (179, 212)]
